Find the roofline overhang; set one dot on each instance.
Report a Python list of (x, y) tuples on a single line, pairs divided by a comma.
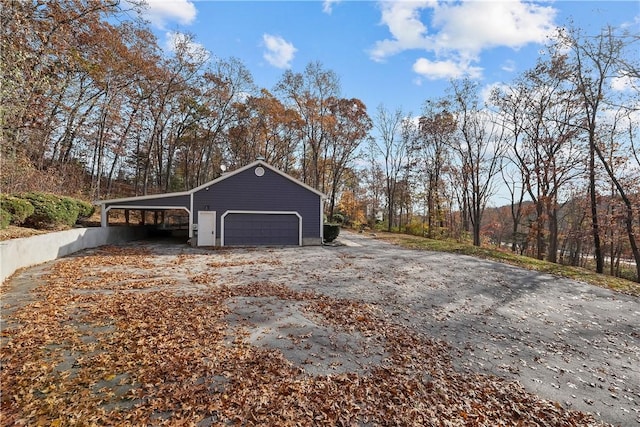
[(146, 197)]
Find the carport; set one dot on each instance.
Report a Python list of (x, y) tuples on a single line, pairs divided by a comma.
[(256, 205), (154, 203)]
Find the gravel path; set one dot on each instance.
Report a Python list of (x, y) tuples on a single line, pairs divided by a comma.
[(563, 340)]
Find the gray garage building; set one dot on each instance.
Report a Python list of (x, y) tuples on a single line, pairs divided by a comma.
[(252, 206)]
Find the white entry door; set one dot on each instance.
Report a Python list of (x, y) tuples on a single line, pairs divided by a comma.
[(206, 228)]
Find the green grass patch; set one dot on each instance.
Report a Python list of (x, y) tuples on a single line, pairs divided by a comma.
[(576, 273)]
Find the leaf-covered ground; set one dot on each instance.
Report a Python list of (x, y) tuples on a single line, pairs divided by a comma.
[(119, 337), (14, 232)]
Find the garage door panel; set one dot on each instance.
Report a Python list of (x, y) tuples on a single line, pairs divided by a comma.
[(251, 229)]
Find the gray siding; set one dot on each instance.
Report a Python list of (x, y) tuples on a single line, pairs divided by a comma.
[(168, 200), (260, 229), (270, 192)]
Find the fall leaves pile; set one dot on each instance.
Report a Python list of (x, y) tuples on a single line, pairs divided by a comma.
[(120, 337)]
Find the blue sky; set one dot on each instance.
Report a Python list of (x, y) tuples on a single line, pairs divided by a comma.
[(395, 53)]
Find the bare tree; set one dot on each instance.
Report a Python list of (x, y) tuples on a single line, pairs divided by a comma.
[(590, 62), (309, 93), (393, 149), (350, 126), (437, 130), (623, 179), (374, 181), (512, 116), (541, 114), (479, 146), (592, 65)]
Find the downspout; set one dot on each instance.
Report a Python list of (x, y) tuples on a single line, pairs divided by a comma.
[(191, 215), (321, 221)]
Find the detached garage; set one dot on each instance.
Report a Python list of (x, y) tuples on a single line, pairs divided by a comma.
[(256, 205)]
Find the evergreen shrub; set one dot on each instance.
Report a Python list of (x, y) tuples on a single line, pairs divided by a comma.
[(331, 232), (338, 218), (51, 211), (86, 209), (5, 218), (72, 208), (19, 209)]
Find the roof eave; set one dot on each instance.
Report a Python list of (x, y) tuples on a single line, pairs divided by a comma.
[(146, 197)]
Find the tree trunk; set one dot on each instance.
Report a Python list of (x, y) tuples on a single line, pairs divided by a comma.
[(628, 214), (597, 247), (632, 241), (552, 252), (540, 246), (390, 205), (476, 235)]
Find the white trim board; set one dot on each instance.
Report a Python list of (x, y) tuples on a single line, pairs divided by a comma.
[(104, 214)]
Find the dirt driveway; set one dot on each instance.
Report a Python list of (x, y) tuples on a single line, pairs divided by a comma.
[(426, 338)]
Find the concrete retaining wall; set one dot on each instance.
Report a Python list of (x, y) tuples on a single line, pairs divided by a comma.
[(25, 252)]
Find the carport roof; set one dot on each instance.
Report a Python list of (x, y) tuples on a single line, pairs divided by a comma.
[(210, 183)]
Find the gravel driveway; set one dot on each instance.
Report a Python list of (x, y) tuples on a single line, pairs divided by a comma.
[(565, 341)]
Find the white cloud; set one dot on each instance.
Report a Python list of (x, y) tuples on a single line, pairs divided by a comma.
[(509, 66), (327, 6), (458, 32), (487, 91), (634, 22), (176, 41), (448, 69), (472, 26), (624, 83), (279, 52), (162, 12), (403, 20)]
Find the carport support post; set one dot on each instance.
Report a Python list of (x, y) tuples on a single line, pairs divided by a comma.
[(104, 216), (126, 216)]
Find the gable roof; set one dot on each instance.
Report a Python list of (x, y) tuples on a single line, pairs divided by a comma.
[(265, 165), (215, 181)]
